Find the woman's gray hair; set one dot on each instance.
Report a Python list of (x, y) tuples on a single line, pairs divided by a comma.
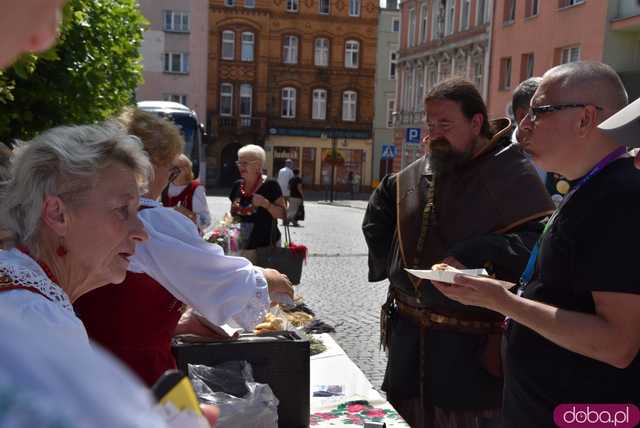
[(253, 151), (63, 161)]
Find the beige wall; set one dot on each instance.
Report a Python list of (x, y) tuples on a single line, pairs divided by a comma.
[(584, 24), (156, 42)]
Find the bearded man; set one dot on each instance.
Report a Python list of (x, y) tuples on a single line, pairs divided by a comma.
[(475, 201)]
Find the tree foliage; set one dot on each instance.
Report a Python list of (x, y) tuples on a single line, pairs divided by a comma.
[(88, 76)]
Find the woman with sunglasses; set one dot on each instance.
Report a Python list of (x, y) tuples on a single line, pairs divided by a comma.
[(256, 199)]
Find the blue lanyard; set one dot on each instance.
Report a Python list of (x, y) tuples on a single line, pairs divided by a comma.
[(535, 252)]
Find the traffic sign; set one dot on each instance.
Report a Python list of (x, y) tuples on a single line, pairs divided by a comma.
[(412, 136), (389, 151)]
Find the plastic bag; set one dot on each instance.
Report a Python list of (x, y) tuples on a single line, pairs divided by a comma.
[(243, 403)]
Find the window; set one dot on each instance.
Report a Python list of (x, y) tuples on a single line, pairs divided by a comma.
[(408, 89), (321, 52), (509, 11), (290, 50), (411, 34), (228, 45), (292, 5), (390, 108), (176, 98), (505, 73), (248, 40), (226, 99), (432, 77), (349, 102), (176, 63), (531, 8), (465, 15), (393, 63), (571, 54), (450, 14), (478, 78), (354, 7), (176, 21), (395, 25), (288, 103), (436, 23), (567, 3), (246, 100), (324, 7), (351, 54), (249, 4), (482, 12), (423, 22), (230, 3), (419, 95), (319, 107), (526, 66)]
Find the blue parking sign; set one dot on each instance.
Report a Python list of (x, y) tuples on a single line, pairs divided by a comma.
[(412, 136)]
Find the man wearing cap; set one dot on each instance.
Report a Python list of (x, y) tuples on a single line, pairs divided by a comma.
[(573, 333), (624, 128)]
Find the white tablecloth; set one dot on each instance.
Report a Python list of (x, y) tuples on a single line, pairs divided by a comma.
[(360, 402)]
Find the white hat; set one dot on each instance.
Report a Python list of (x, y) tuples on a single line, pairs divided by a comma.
[(624, 126)]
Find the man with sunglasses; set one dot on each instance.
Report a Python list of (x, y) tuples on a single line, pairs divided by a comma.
[(573, 333)]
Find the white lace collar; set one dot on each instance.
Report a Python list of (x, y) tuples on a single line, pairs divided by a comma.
[(146, 202), (25, 271)]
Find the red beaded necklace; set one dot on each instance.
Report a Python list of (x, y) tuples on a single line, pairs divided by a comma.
[(249, 209)]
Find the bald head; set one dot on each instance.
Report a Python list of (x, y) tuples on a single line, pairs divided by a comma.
[(587, 82)]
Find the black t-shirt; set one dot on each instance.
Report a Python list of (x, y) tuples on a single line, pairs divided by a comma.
[(591, 246), (265, 227), (293, 187)]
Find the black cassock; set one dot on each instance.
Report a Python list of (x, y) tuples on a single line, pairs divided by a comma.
[(486, 213)]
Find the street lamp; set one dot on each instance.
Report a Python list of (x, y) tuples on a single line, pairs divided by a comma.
[(333, 157)]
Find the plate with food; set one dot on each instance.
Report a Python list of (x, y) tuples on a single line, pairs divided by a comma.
[(442, 272)]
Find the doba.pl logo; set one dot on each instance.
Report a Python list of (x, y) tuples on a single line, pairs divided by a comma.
[(596, 415)]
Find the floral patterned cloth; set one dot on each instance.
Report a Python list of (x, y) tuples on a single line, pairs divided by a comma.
[(357, 413)]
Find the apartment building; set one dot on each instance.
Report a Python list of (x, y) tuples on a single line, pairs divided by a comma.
[(296, 77), (439, 39), (174, 52), (385, 88), (531, 36)]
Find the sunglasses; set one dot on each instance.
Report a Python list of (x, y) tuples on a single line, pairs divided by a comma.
[(174, 172), (534, 112)]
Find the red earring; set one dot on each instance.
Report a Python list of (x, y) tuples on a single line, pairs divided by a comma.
[(61, 251)]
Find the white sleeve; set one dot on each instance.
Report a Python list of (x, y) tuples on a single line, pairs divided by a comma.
[(198, 273), (200, 208)]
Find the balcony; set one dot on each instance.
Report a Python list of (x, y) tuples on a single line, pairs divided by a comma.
[(408, 118), (627, 17), (228, 125)]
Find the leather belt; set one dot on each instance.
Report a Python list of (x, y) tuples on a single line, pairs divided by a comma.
[(426, 318)]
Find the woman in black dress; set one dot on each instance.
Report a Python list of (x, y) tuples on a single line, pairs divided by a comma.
[(256, 199)]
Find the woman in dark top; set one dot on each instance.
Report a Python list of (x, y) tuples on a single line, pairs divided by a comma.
[(256, 199)]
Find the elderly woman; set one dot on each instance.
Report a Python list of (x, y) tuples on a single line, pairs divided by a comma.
[(256, 199), (70, 202), (137, 320), (187, 192)]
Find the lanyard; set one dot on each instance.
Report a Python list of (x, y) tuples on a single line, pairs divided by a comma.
[(535, 252)]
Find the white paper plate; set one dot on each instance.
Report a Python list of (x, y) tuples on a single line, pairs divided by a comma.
[(448, 275), (445, 275)]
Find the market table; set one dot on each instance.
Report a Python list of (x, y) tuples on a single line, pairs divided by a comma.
[(333, 372)]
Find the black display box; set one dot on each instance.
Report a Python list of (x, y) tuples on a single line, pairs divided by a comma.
[(279, 359)]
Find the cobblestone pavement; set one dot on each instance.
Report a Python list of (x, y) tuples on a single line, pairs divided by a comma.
[(334, 281)]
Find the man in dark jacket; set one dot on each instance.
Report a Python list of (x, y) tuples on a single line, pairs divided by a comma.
[(455, 204)]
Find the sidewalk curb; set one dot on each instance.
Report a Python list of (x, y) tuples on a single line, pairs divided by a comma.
[(341, 204)]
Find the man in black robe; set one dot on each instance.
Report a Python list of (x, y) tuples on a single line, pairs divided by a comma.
[(474, 201)]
